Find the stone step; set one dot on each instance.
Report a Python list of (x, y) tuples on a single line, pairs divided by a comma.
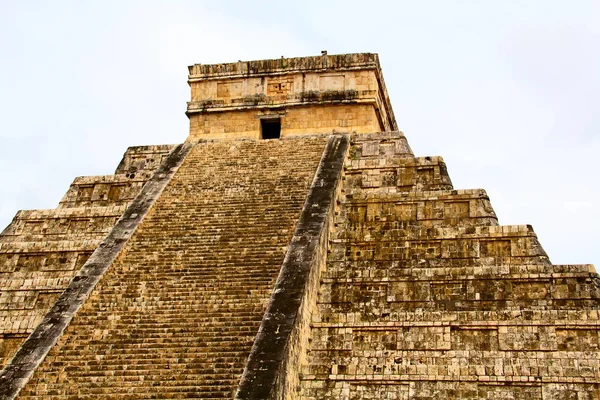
[(199, 299)]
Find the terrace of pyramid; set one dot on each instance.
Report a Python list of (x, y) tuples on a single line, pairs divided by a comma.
[(293, 247)]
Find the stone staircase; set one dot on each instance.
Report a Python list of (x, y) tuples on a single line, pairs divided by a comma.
[(41, 250), (176, 314), (422, 295), (425, 296)]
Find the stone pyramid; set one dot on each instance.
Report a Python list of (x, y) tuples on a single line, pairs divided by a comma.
[(292, 248)]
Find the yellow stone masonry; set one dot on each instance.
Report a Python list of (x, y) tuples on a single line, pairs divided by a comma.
[(327, 94), (311, 266), (294, 121), (41, 250), (176, 314), (425, 296)]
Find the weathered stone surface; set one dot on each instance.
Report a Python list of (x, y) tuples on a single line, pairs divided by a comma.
[(33, 351), (395, 284), (325, 94), (425, 296), (176, 314), (41, 250), (271, 369)]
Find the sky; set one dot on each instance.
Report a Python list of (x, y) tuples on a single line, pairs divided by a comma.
[(508, 92)]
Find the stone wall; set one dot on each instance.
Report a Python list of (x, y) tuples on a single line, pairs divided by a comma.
[(332, 118), (41, 250), (422, 295), (326, 94), (293, 85), (394, 284), (271, 371), (425, 296), (176, 314)]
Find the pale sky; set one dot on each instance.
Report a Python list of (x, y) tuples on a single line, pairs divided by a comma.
[(508, 92)]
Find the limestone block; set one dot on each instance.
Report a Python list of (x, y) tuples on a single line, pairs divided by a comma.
[(580, 339), (519, 338), (476, 339), (570, 391), (505, 392), (387, 392), (424, 338)]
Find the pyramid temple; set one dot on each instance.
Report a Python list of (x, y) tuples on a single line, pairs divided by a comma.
[(292, 248)]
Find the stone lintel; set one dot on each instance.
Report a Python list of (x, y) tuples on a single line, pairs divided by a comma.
[(282, 65)]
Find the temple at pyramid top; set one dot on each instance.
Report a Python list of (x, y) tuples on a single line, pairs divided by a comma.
[(289, 96)]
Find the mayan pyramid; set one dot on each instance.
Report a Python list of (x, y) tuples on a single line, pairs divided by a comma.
[(292, 248)]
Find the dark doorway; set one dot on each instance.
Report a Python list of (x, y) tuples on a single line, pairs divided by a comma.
[(270, 128)]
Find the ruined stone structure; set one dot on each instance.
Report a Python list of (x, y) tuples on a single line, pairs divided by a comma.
[(327, 263)]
